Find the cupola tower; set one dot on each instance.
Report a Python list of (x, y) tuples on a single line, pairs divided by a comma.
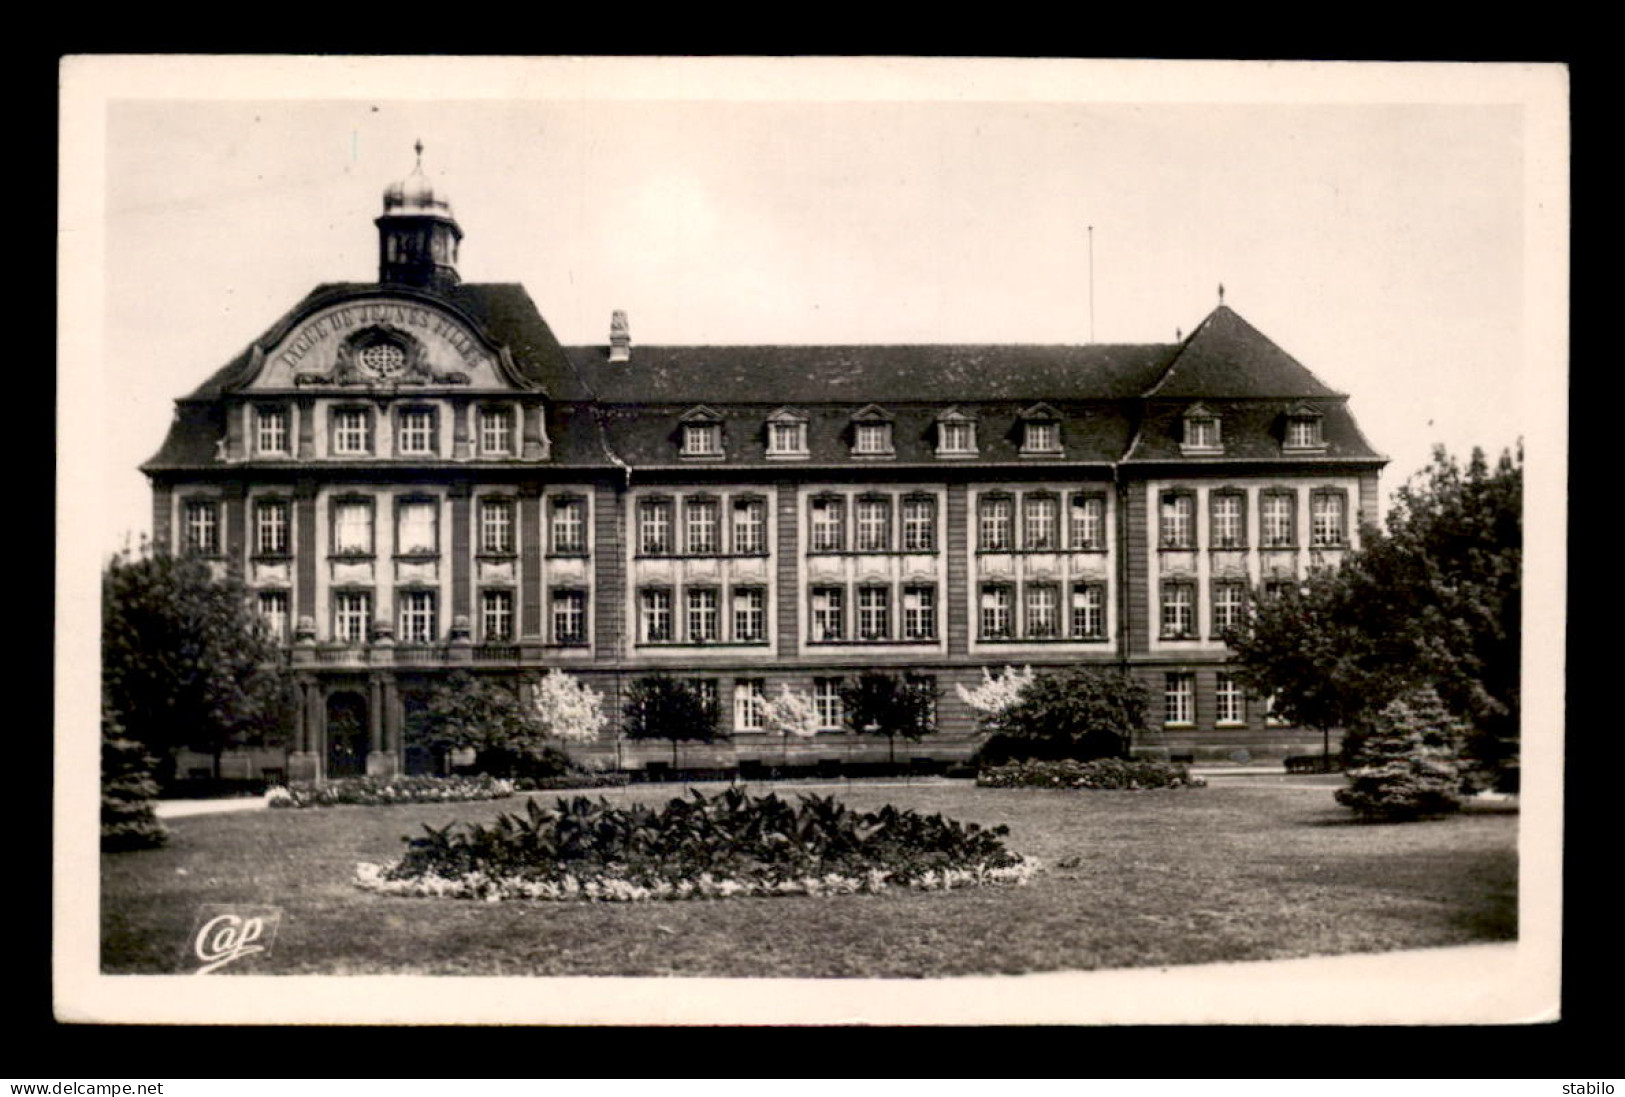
[(417, 234)]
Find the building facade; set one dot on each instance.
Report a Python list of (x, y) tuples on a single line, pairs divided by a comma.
[(414, 476)]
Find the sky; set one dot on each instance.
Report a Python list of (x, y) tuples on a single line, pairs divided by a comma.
[(1374, 221)]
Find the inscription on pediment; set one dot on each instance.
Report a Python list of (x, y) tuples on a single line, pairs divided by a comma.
[(379, 344)]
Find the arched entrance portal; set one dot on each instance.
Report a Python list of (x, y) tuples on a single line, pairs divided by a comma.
[(346, 735)]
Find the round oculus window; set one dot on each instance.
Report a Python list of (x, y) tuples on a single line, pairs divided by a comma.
[(383, 359)]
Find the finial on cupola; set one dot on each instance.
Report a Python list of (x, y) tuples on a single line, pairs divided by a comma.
[(1221, 293), (418, 148), (1179, 334), (620, 337)]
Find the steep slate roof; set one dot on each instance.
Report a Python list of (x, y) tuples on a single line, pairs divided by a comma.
[(858, 375), (503, 310), (1227, 356), (1249, 429)]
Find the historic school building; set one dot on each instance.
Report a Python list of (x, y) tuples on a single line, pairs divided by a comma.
[(414, 476)]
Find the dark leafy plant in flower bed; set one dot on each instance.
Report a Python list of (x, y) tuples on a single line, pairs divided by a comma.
[(390, 790), (725, 845), (1106, 773)]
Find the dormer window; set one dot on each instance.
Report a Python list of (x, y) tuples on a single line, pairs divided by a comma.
[(1303, 428), (956, 434), (786, 434), (872, 433), (271, 429), (702, 434), (496, 432), (1040, 431), (1201, 432)]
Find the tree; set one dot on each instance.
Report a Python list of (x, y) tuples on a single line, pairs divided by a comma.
[(1435, 599), (997, 694), (128, 792), (186, 662), (490, 715), (661, 707), (568, 709), (1081, 713), (1405, 766), (878, 703), (792, 712)]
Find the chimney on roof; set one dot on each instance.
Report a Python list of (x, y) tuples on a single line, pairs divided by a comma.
[(620, 337)]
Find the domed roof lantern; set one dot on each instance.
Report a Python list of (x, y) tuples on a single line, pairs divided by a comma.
[(417, 234)]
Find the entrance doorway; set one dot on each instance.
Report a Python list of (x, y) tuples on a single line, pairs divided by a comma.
[(346, 735)]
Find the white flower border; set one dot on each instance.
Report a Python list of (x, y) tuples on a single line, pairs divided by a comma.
[(610, 889)]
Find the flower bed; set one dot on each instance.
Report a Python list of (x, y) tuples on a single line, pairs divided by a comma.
[(571, 780), (727, 845), (1105, 773), (389, 790)]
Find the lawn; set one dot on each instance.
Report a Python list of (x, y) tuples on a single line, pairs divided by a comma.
[(1130, 879)]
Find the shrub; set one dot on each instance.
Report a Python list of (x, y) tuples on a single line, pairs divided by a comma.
[(1405, 766), (700, 847), (1313, 763), (659, 706), (128, 792), (1105, 773), (1081, 713), (390, 790), (571, 780)]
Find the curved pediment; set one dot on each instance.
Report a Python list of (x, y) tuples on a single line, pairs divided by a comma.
[(380, 342)]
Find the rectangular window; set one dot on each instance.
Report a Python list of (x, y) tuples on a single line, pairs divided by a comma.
[(1041, 611), (1178, 611), (352, 528), (352, 431), (927, 685), (415, 528), (787, 438), (273, 607), (1202, 433), (1278, 588), (1272, 717), (1229, 706), (1088, 522), (1229, 520), (750, 526), (1179, 699), (1276, 519), (828, 525), (1229, 604), (874, 525), (1041, 436), (995, 524), (874, 613), (919, 524), (654, 527), (352, 616), (954, 436), (271, 527), (700, 516), (496, 616), (706, 690), (416, 437), (1303, 433), (702, 439), (1328, 519), (569, 526), (496, 526), (496, 432), (827, 703), (828, 613), (871, 438), (995, 613), (702, 616), (1088, 612), (271, 430), (750, 699), (919, 613), (750, 616), (203, 527), (656, 616), (570, 616), (417, 617), (1178, 528), (1039, 527)]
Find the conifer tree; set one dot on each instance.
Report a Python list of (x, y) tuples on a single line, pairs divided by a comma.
[(1405, 765)]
